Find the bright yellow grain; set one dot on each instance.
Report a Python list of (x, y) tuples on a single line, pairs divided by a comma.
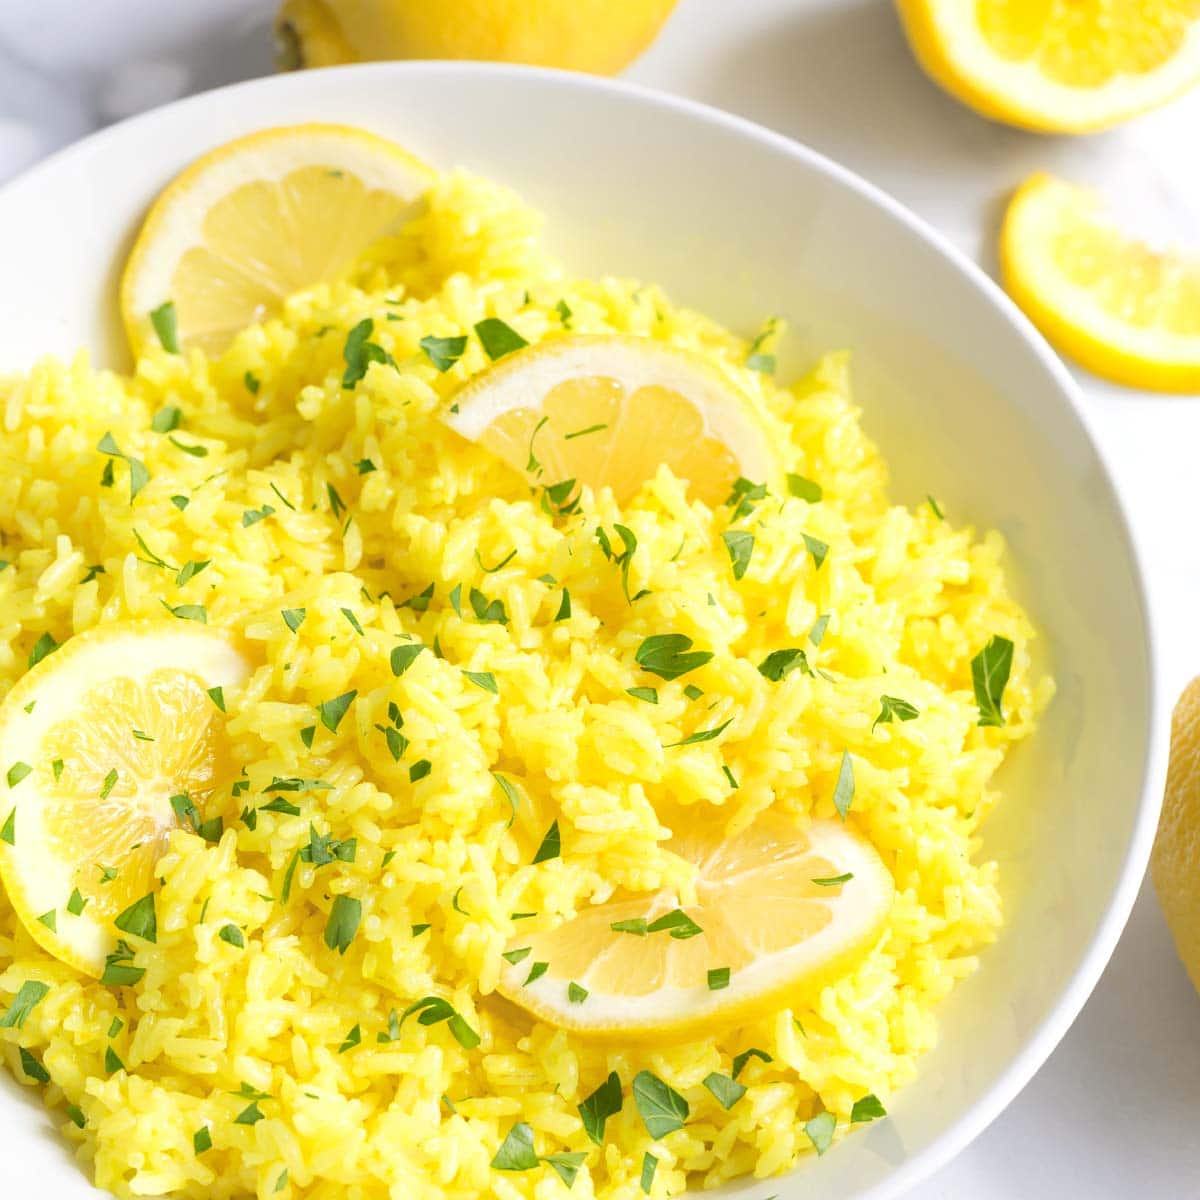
[(911, 599)]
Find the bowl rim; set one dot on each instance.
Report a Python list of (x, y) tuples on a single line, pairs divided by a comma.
[(1039, 1045)]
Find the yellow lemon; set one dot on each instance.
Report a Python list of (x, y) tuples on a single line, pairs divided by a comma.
[(1066, 66), (95, 741), (776, 910), (602, 36), (1175, 862), (1122, 309), (606, 410), (257, 219)]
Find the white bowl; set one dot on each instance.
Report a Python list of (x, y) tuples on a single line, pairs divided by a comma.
[(966, 400)]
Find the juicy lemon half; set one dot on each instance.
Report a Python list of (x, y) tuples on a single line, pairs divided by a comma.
[(1119, 307), (94, 742), (1066, 66), (606, 410), (259, 218), (776, 910)]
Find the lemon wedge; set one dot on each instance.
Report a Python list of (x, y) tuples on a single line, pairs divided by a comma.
[(94, 742), (1122, 309), (257, 219), (777, 910), (606, 410), (1054, 65)]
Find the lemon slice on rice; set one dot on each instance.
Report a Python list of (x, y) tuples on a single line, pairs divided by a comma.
[(257, 219), (608, 409), (1057, 67), (778, 910), (94, 742), (1124, 310)]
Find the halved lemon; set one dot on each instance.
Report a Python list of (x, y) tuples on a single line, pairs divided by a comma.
[(778, 911), (1065, 66), (94, 742), (259, 218), (608, 409), (1122, 309)]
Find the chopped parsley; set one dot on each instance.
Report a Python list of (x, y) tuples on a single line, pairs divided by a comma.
[(201, 1140), (75, 902), (359, 353), (139, 919), (166, 419), (820, 1131), (419, 770), (536, 972), (352, 1039), (564, 607), (252, 382), (117, 969), (433, 1009), (138, 475), (843, 791), (510, 794), (516, 1152), (112, 1062), (252, 516), (513, 957), (28, 997), (740, 1060), (403, 657), (8, 831), (443, 352), (804, 489), (419, 602), (638, 926), (758, 357), (483, 679), (669, 655), (718, 979), (165, 326), (217, 696), (194, 451), (293, 618), (662, 1109), (233, 935), (891, 707), (603, 1103), (648, 694), (649, 1166), (779, 663), (989, 672), (937, 508), (733, 783), (365, 466), (110, 782), (575, 993), (332, 711), (497, 338), (187, 612), (677, 923), (817, 632), (740, 545), (551, 846), (817, 549), (564, 313), (744, 497), (702, 735), (584, 432), (487, 611), (727, 1091), (566, 1164), (42, 648), (342, 924), (17, 772), (834, 880), (32, 1068), (623, 560), (353, 621), (502, 563), (867, 1108)]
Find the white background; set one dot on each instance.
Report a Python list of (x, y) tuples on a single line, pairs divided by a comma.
[(1112, 1115)]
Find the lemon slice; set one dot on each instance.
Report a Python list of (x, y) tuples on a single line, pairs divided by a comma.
[(259, 218), (1123, 310), (1057, 66), (777, 910), (607, 410), (94, 742)]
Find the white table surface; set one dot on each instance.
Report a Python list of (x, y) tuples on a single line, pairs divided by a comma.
[(1111, 1116)]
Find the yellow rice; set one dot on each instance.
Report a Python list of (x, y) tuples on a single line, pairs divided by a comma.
[(912, 598)]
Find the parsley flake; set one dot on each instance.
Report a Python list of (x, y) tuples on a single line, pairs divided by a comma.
[(727, 1091), (497, 338), (820, 1131), (603, 1103), (551, 846), (740, 545), (165, 326), (989, 673), (443, 352), (139, 919), (867, 1108), (669, 655), (516, 1152), (28, 997), (891, 707), (343, 921), (843, 791), (662, 1109)]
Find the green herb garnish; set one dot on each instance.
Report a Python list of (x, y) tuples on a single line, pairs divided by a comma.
[(138, 475), (359, 353), (669, 655), (891, 707), (867, 1108), (779, 663), (820, 1131), (165, 326), (575, 993), (701, 735), (443, 352), (28, 997), (649, 1166), (332, 711), (139, 919), (677, 923), (989, 672), (551, 846), (603, 1103), (843, 791), (804, 489), (740, 545), (342, 924), (662, 1109), (516, 1152), (740, 1060), (433, 1009), (648, 694), (727, 1091), (497, 338), (233, 935), (718, 979)]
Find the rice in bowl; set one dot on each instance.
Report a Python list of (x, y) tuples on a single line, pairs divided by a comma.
[(280, 1066)]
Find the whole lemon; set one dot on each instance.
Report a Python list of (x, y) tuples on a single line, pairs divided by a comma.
[(601, 36), (1175, 863)]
